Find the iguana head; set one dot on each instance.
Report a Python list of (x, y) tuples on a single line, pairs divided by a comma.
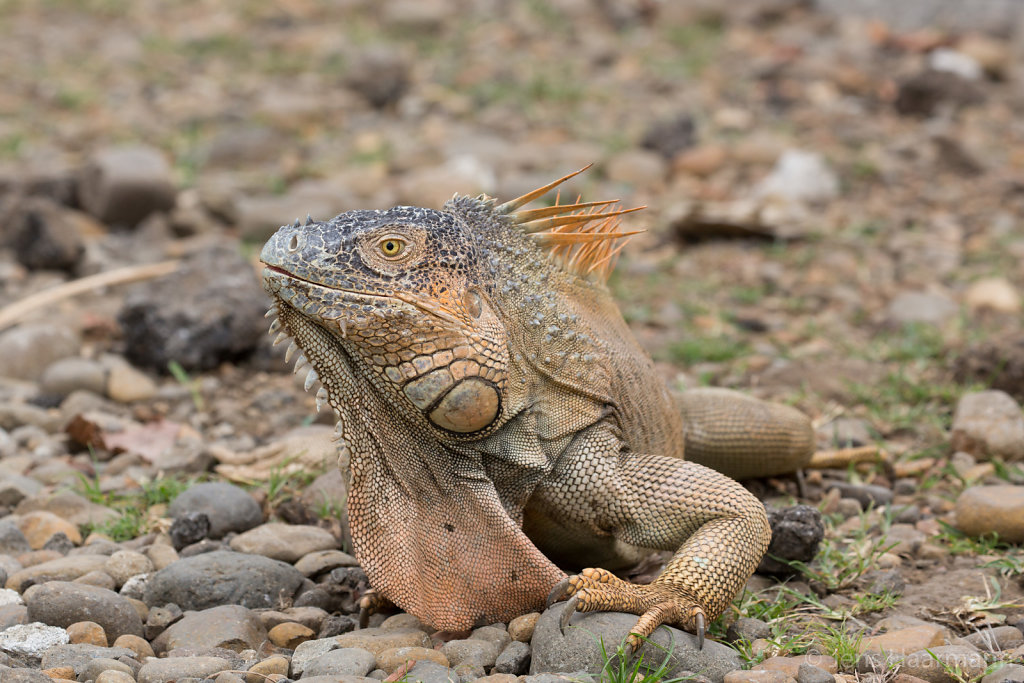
[(413, 298)]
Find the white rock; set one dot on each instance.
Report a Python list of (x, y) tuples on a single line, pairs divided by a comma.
[(800, 176), (32, 639), (10, 597), (965, 66)]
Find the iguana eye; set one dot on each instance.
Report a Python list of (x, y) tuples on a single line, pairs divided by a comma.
[(391, 247)]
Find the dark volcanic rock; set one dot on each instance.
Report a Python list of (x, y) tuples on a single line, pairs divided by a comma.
[(208, 312), (223, 578), (189, 528), (796, 533), (922, 94)]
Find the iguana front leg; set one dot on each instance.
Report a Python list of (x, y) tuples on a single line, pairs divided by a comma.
[(719, 531)]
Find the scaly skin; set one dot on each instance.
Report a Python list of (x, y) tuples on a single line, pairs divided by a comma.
[(498, 418)]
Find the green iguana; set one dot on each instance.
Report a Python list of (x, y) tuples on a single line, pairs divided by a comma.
[(500, 421)]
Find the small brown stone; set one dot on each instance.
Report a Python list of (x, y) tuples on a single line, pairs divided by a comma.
[(791, 665), (985, 509), (390, 660), (61, 672), (40, 526), (905, 640), (139, 646), (521, 628), (87, 633), (290, 634), (271, 666)]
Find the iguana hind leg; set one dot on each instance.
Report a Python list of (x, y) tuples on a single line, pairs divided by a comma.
[(718, 529)]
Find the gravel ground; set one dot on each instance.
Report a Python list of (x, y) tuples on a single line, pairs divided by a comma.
[(833, 221)]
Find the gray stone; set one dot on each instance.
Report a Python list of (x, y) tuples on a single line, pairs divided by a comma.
[(124, 185), (127, 564), (228, 507), (61, 603), (15, 488), (934, 663), (62, 569), (174, 669), (748, 629), (988, 424), (285, 542), (174, 318), (231, 627), (670, 137), (866, 494), (223, 578), (70, 507), (514, 659), (911, 15), (928, 308), (996, 639), (31, 640), (476, 653), (28, 349), (309, 651), (20, 675), (796, 533), (430, 672), (345, 661), (579, 649), (808, 673), (380, 74), (188, 528), (1007, 673), (97, 666), (322, 561), (12, 541)]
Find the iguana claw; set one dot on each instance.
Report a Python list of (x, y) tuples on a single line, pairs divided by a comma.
[(699, 628), (558, 593), (567, 612)]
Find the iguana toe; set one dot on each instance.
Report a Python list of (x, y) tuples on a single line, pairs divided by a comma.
[(371, 603), (598, 590)]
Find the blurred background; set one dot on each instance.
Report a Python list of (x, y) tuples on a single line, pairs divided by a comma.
[(834, 189)]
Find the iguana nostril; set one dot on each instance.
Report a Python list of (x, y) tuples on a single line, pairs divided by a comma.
[(293, 243)]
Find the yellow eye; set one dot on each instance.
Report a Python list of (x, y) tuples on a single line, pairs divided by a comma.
[(391, 247)]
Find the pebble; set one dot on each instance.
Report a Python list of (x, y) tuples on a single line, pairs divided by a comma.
[(637, 168), (376, 640), (391, 659), (70, 507), (176, 668), (671, 136), (88, 632), (311, 649), (996, 638), (284, 542), (126, 384), (905, 640), (521, 628), (866, 494), (60, 569), (274, 665), (231, 627), (31, 639), (140, 646), (161, 555), (1006, 673), (97, 666), (791, 665), (514, 659), (929, 308), (988, 424), (381, 75), (796, 534), (12, 541), (800, 176), (476, 653), (123, 185), (28, 349), (115, 677), (322, 561), (756, 676), (290, 635), (124, 564), (932, 665), (992, 294), (71, 374), (344, 661), (60, 603), (15, 488), (809, 673), (223, 578), (228, 507), (983, 510), (310, 617), (747, 628)]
